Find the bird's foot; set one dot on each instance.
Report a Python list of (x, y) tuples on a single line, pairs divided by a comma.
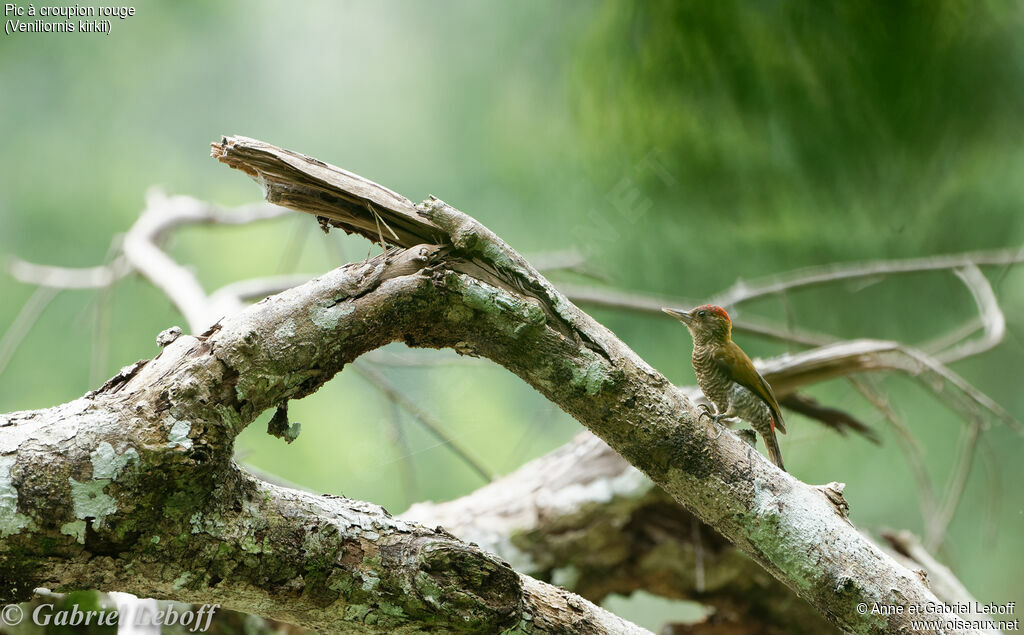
[(705, 411)]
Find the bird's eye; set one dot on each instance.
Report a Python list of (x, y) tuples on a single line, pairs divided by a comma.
[(701, 313)]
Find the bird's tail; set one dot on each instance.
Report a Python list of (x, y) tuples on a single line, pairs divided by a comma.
[(772, 445)]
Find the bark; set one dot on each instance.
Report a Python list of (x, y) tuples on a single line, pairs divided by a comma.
[(132, 487), (584, 518)]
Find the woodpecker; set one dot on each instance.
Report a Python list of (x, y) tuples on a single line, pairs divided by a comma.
[(728, 378)]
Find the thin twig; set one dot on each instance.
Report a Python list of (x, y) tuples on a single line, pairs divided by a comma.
[(406, 469), (294, 247), (100, 353), (651, 304), (426, 420), (787, 308), (616, 299), (744, 291), (377, 221), (23, 323), (68, 277), (908, 444), (935, 531), (570, 259), (994, 493), (952, 337), (844, 358)]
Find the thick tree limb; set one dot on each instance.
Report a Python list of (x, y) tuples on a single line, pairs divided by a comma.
[(583, 517), (132, 488)]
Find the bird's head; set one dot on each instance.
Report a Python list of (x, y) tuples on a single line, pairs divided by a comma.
[(708, 324)]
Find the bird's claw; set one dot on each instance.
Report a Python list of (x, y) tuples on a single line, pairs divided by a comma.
[(705, 411)]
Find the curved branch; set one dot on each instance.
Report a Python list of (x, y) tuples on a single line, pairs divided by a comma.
[(811, 276), (26, 318), (142, 252), (148, 500), (68, 277), (990, 316), (843, 358)]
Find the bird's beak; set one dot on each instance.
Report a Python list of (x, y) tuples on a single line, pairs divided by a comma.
[(682, 316)]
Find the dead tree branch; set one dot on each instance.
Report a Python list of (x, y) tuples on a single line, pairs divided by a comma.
[(132, 487), (744, 291), (586, 519)]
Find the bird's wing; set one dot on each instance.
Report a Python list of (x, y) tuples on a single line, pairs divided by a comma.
[(738, 366)]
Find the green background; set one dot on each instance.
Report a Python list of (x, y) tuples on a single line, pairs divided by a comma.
[(679, 146)]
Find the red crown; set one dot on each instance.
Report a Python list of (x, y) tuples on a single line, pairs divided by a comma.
[(717, 310)]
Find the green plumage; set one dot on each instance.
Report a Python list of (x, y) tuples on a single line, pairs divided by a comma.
[(728, 378)]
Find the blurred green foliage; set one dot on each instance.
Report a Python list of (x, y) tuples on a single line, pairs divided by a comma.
[(893, 119), (680, 145)]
